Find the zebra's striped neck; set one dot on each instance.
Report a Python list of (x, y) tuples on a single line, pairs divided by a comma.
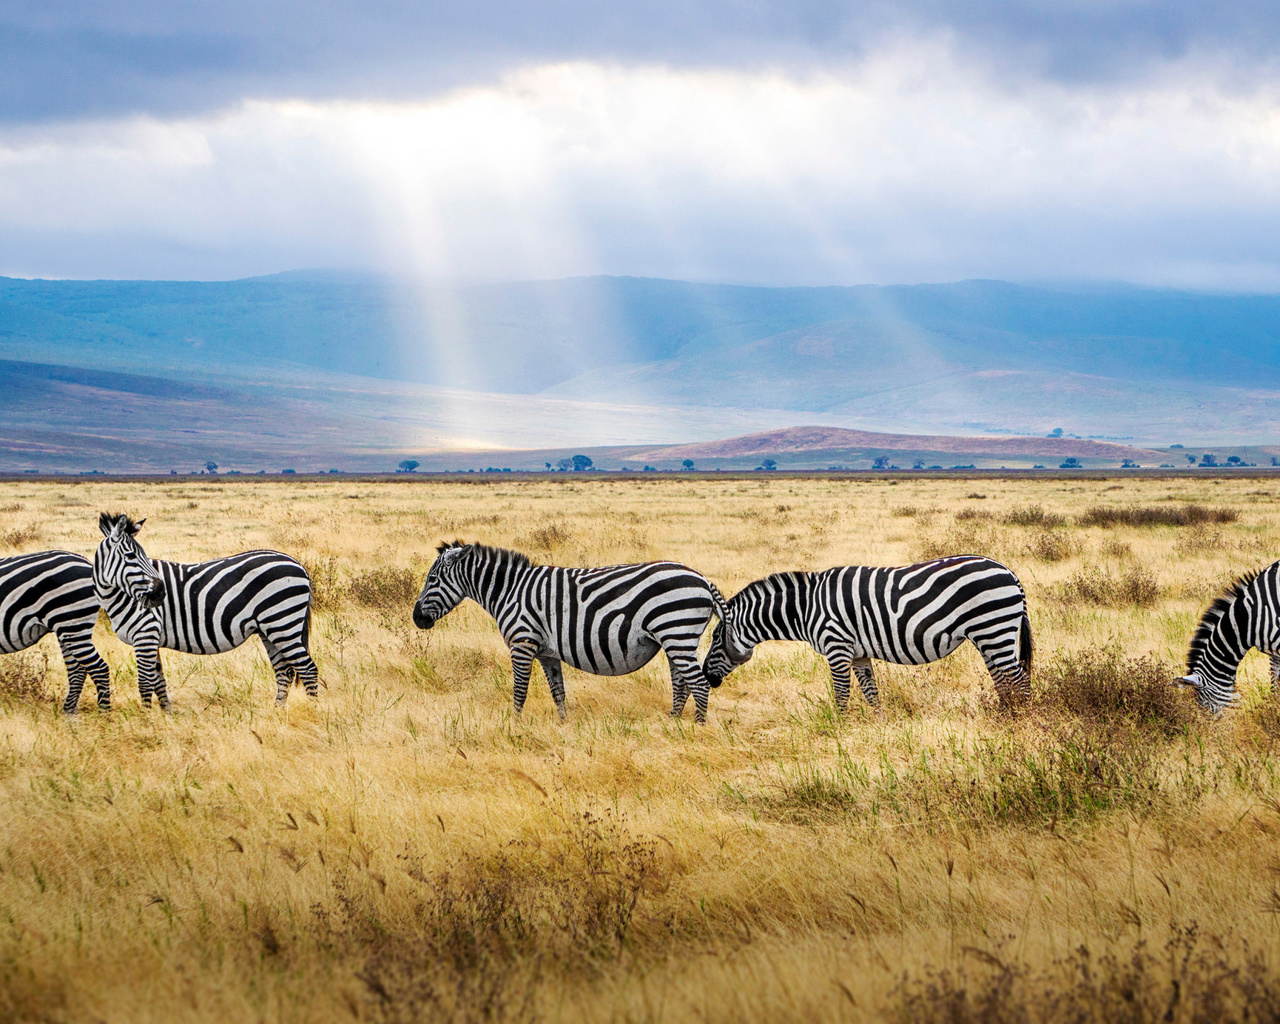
[(1230, 626), (489, 576), (774, 608)]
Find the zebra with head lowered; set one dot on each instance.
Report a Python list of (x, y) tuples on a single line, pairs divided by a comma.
[(906, 615), (203, 608), (1247, 615), (52, 592), (607, 621)]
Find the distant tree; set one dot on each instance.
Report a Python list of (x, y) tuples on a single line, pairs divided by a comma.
[(1191, 459), (1234, 460), (1275, 461), (564, 465), (580, 463), (654, 469), (769, 464), (289, 471), (548, 465), (211, 466), (881, 462), (918, 464), (1071, 462), (1056, 432), (688, 465), (1209, 459), (408, 465), (1129, 464)]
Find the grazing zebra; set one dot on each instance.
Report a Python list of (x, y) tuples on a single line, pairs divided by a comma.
[(1247, 615), (909, 615), (52, 592), (607, 621), (203, 608)]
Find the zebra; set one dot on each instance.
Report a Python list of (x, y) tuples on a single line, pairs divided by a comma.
[(52, 592), (906, 615), (203, 608), (608, 621), (1244, 616)]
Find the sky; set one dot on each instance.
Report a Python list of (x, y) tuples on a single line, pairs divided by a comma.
[(753, 142)]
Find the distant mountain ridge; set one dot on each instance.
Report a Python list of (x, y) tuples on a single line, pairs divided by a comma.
[(653, 360)]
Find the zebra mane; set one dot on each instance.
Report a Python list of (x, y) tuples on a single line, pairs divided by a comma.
[(107, 521), (513, 558), (1213, 615)]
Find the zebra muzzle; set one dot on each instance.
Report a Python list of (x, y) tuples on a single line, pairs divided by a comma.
[(421, 619)]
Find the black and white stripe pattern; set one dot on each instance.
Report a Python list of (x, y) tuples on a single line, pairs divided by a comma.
[(607, 621), (908, 615), (203, 608), (52, 592), (1247, 615)]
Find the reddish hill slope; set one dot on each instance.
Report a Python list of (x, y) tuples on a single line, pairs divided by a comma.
[(794, 440)]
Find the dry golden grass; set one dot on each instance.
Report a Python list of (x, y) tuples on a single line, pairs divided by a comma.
[(405, 849)]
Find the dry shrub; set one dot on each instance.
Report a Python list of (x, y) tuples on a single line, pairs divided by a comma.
[(966, 514), (1033, 515), (1065, 771), (1189, 983), (904, 511), (486, 928), (1157, 515), (962, 539), (1117, 548), (549, 537), (24, 677), (19, 536), (326, 586), (1199, 540), (386, 587), (1095, 585), (1051, 546), (1105, 687)]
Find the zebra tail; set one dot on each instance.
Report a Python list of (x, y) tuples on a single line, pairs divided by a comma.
[(1025, 644), (721, 605)]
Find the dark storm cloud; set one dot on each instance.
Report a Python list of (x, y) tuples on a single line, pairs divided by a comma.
[(81, 59)]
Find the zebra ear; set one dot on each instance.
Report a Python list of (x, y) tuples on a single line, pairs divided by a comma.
[(106, 521), (135, 527)]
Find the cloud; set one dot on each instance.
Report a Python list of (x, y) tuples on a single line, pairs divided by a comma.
[(74, 60), (916, 163)]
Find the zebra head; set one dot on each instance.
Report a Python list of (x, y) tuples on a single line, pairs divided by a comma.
[(120, 564), (445, 586), (1221, 640), (725, 654)]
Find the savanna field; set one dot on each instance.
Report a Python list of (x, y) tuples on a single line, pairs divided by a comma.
[(406, 849)]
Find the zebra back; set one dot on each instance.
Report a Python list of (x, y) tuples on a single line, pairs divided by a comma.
[(46, 591)]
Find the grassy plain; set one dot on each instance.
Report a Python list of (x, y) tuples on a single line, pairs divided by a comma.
[(405, 849)]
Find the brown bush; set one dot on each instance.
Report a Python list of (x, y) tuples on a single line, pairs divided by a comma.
[(24, 677), (1033, 515), (326, 586), (19, 536), (1051, 546), (1095, 585), (385, 587), (904, 511), (1187, 983), (1157, 515), (1105, 686), (972, 513)]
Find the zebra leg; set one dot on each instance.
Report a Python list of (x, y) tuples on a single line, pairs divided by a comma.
[(686, 667), (75, 674), (289, 658), (555, 679), (867, 682), (840, 663), (521, 666), (280, 666), (679, 692), (150, 675)]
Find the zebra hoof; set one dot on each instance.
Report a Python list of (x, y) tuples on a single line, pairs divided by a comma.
[(560, 710)]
